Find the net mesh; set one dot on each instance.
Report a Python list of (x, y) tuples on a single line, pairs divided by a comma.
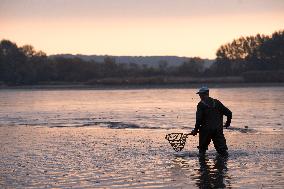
[(177, 140)]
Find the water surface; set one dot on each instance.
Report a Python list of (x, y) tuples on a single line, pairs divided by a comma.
[(62, 139), (257, 108)]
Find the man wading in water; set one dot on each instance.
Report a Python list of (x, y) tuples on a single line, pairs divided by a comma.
[(209, 123)]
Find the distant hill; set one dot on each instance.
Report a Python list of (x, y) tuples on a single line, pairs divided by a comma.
[(151, 61)]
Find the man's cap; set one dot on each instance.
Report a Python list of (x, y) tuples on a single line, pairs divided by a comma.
[(203, 90)]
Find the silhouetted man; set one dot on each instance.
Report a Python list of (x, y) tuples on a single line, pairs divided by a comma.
[(209, 122)]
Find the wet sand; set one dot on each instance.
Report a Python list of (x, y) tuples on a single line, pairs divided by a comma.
[(89, 157)]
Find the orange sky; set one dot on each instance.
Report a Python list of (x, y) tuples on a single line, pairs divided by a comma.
[(128, 27)]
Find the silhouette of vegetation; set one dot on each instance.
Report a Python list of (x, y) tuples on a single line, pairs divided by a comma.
[(257, 58), (194, 67), (253, 53), (19, 65)]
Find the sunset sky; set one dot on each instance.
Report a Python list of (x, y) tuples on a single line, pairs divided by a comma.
[(136, 27)]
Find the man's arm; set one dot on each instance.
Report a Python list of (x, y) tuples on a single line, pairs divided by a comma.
[(225, 111), (198, 120)]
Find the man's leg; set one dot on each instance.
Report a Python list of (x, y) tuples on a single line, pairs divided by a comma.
[(220, 142), (204, 141)]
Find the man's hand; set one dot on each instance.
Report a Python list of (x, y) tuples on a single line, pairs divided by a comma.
[(227, 124), (193, 132)]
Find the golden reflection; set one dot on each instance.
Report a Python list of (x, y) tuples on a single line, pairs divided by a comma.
[(205, 172)]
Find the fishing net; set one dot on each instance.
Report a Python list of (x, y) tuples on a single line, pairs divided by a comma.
[(177, 140)]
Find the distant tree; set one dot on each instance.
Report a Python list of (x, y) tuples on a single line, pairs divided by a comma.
[(13, 64), (162, 66), (67, 69), (192, 67), (147, 70), (133, 69), (271, 52), (258, 52), (28, 50), (40, 69), (32, 54), (233, 58), (110, 67)]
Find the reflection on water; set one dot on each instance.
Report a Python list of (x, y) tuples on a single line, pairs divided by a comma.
[(212, 174), (206, 172)]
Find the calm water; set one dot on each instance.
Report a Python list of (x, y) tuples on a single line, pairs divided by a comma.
[(257, 108)]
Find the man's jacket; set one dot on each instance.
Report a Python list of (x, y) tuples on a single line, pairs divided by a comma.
[(209, 115)]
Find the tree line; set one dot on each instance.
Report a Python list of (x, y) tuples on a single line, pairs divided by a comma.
[(260, 52), (253, 58)]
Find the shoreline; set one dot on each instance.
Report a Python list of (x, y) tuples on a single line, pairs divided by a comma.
[(82, 86)]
